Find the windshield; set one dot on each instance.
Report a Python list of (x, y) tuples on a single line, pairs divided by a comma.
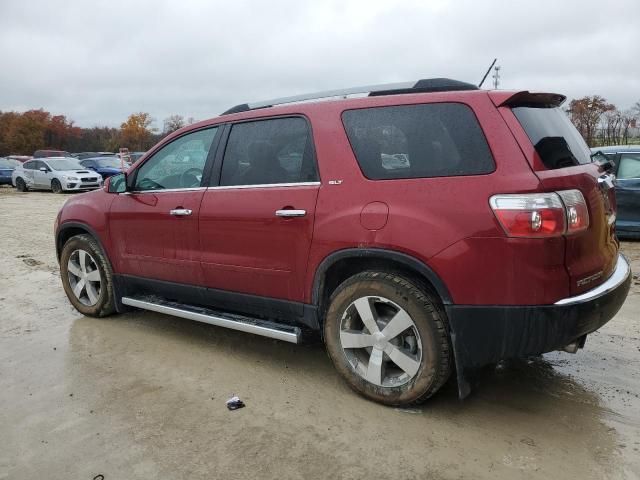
[(8, 163), (108, 162), (554, 137), (64, 164)]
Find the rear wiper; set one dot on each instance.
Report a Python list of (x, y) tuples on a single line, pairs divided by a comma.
[(602, 160)]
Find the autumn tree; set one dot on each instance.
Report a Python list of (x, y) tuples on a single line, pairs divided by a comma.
[(136, 133), (586, 113), (96, 139), (60, 132), (173, 123)]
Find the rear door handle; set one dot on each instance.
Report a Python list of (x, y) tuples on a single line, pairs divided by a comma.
[(180, 212), (290, 213)]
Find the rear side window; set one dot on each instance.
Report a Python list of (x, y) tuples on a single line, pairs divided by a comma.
[(269, 152), (418, 141), (554, 137)]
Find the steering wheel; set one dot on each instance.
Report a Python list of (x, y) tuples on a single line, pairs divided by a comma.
[(191, 178)]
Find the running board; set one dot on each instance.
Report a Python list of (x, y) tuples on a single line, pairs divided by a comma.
[(256, 326)]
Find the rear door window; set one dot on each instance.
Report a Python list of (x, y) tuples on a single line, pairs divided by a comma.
[(418, 141), (554, 137), (267, 152)]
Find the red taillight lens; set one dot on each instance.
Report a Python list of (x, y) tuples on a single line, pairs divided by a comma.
[(530, 215), (535, 215)]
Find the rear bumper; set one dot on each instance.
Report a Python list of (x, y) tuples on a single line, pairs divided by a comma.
[(488, 334)]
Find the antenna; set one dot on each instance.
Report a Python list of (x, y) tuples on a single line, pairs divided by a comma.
[(488, 70), (496, 76)]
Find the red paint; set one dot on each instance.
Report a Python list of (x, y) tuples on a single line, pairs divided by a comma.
[(374, 215), (246, 248), (234, 241)]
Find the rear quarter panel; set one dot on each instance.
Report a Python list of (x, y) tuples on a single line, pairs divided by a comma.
[(445, 222)]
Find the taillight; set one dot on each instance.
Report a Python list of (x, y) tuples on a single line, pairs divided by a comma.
[(536, 215), (577, 213)]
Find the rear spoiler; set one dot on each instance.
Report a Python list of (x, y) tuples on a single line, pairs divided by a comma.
[(526, 99)]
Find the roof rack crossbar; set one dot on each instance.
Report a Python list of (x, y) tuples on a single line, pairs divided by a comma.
[(428, 85)]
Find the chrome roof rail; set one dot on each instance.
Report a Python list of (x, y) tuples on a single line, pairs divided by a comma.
[(420, 86)]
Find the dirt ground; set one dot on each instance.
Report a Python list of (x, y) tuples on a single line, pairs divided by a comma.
[(142, 395)]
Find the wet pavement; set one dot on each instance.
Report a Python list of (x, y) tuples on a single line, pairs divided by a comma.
[(142, 395)]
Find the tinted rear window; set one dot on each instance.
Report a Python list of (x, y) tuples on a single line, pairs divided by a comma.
[(554, 137), (418, 141)]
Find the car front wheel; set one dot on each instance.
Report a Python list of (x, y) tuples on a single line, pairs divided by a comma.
[(55, 186), (21, 186), (388, 338), (87, 277)]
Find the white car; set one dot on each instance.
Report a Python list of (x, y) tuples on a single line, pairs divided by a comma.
[(58, 174)]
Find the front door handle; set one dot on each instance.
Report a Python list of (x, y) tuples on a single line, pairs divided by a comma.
[(180, 212), (290, 213)]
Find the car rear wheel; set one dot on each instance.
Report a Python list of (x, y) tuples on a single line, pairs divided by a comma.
[(21, 186), (87, 276), (55, 186), (388, 338)]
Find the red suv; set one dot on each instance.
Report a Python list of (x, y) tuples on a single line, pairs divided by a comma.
[(419, 227)]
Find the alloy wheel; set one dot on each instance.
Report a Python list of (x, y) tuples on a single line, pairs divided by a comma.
[(84, 277), (380, 341)]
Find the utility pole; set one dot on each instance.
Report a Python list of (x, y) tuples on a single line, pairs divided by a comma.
[(496, 76)]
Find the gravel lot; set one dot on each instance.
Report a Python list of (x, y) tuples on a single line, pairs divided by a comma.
[(142, 395)]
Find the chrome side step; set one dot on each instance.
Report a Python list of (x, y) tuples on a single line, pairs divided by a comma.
[(256, 326)]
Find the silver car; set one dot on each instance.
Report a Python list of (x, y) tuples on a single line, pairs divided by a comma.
[(58, 174)]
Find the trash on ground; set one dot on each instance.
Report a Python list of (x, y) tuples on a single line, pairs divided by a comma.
[(235, 403)]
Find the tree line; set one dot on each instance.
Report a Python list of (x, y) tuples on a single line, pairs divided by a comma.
[(22, 133), (598, 121), (601, 123)]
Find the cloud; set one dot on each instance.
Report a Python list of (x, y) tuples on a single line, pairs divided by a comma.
[(97, 62)]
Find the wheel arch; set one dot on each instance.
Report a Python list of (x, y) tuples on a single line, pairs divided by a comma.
[(71, 229), (340, 265)]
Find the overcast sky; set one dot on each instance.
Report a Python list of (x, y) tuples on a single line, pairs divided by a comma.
[(98, 61)]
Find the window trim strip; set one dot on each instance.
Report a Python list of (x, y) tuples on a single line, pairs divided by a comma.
[(265, 185), (161, 190)]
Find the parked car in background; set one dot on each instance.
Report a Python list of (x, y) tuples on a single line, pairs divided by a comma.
[(626, 167), (135, 156), (19, 158), (132, 157), (7, 166), (105, 166), (58, 174), (50, 153), (83, 155), (426, 228)]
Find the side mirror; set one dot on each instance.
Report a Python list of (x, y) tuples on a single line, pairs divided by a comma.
[(44, 169), (117, 183), (603, 161)]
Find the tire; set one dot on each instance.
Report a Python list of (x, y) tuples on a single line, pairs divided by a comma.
[(21, 186), (92, 299), (55, 186), (422, 347)]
